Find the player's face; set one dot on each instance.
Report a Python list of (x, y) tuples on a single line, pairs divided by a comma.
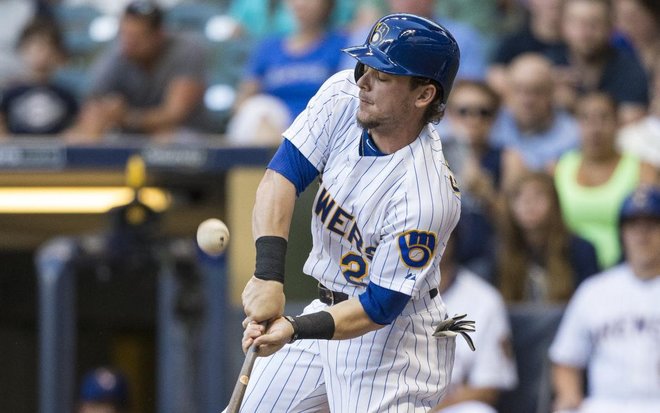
[(597, 119), (641, 240), (531, 206), (471, 113), (386, 101)]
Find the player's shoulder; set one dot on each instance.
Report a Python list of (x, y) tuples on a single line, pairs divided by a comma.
[(612, 279), (426, 157)]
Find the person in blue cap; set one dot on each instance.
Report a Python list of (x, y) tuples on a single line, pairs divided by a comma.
[(611, 327)]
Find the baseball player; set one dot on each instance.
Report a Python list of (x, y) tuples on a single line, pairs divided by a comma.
[(611, 326), (384, 210)]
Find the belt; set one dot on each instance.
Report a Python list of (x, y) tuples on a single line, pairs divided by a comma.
[(329, 297)]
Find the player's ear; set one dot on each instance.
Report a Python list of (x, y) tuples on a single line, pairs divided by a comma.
[(425, 95)]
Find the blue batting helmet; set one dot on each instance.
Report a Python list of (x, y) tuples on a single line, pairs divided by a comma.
[(643, 202), (409, 45), (103, 385)]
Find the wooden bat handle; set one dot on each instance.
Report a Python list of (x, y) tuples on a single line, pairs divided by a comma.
[(243, 378)]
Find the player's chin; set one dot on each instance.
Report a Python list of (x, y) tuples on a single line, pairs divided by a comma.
[(365, 121)]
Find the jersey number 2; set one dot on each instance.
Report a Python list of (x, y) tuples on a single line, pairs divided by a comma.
[(354, 267)]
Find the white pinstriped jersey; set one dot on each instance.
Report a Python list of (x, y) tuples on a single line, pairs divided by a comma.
[(382, 219), (611, 327)]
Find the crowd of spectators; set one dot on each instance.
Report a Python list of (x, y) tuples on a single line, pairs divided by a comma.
[(554, 120)]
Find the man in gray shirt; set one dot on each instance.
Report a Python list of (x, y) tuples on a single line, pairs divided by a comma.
[(150, 82)]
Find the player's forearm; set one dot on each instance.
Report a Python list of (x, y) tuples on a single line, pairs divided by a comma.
[(273, 208), (568, 384), (351, 320)]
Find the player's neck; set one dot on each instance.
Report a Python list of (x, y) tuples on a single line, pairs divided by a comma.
[(392, 140), (646, 272)]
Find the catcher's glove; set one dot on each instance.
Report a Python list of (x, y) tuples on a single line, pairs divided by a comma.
[(455, 325)]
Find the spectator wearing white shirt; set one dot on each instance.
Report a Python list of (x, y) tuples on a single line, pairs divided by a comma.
[(479, 376)]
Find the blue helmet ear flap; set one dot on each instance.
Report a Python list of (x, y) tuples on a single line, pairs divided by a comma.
[(359, 71)]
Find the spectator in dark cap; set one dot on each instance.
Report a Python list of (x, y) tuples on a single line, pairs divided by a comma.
[(103, 391), (150, 82)]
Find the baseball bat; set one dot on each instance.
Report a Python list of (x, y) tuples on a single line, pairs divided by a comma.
[(243, 378)]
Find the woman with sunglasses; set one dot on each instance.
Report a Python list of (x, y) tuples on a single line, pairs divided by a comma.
[(482, 170)]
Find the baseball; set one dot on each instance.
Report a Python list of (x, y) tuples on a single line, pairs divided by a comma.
[(212, 236)]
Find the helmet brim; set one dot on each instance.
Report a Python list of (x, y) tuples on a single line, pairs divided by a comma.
[(376, 59)]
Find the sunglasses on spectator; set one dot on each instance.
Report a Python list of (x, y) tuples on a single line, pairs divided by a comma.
[(481, 112)]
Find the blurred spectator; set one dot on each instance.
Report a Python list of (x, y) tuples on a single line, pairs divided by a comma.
[(34, 104), (150, 82), (479, 376), (540, 34), (288, 68), (482, 169), (261, 18), (258, 18), (529, 122), (103, 391), (14, 16), (643, 138), (540, 259), (589, 62), (593, 180), (116, 7), (610, 327), (639, 22), (471, 43), (491, 17)]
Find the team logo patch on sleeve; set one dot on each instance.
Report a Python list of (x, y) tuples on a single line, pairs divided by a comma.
[(417, 248)]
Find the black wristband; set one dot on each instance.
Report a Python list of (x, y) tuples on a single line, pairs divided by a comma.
[(320, 325), (271, 253)]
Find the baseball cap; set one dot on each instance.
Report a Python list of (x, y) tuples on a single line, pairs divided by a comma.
[(642, 202), (104, 385)]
